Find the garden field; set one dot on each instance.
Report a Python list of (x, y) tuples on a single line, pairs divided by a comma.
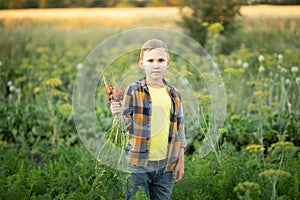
[(127, 16), (43, 157)]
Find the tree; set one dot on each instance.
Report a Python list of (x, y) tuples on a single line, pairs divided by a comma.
[(19, 4), (4, 4), (198, 15)]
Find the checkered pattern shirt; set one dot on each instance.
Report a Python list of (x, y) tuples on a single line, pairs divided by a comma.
[(137, 115)]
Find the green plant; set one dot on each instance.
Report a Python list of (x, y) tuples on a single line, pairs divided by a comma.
[(109, 183), (65, 173), (197, 16), (32, 53), (247, 190), (274, 175)]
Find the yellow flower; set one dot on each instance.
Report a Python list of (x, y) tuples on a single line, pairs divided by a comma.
[(254, 83), (230, 70), (252, 107), (204, 24), (246, 187), (206, 97), (268, 80), (241, 70), (58, 93), (255, 148), (185, 72), (223, 130), (216, 27), (53, 82), (36, 90), (282, 146), (260, 94), (275, 172), (65, 109)]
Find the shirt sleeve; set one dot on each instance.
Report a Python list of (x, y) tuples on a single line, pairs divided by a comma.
[(128, 109), (180, 125)]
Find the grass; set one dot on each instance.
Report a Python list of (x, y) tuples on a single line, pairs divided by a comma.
[(269, 11), (130, 16), (102, 16), (273, 28)]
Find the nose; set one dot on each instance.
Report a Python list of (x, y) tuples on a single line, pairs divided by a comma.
[(156, 66)]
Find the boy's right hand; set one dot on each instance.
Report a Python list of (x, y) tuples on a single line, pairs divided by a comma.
[(115, 107)]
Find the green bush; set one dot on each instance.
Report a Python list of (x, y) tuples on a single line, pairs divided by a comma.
[(4, 4), (242, 128), (198, 15), (65, 173), (50, 175), (236, 174)]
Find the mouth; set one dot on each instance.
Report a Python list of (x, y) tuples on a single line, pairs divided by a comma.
[(156, 72)]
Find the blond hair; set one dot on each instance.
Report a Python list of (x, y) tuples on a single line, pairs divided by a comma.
[(152, 44)]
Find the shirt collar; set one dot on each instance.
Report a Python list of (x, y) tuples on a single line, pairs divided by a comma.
[(142, 82), (170, 88)]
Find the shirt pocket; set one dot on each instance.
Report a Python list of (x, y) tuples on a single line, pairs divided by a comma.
[(137, 144)]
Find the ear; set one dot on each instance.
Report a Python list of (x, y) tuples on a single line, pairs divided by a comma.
[(168, 63), (141, 64)]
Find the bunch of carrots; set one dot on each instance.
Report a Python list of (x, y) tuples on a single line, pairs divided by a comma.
[(114, 93), (116, 136)]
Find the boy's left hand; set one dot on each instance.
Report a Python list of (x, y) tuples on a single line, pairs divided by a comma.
[(179, 169)]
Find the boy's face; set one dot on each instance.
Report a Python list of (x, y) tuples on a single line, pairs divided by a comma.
[(155, 63)]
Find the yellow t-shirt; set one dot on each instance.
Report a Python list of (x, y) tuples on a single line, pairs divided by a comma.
[(160, 123)]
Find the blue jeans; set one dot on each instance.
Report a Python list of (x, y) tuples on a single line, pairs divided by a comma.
[(153, 181)]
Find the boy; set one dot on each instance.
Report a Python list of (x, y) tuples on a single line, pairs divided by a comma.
[(154, 119)]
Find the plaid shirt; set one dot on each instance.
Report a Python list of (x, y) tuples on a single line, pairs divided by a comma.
[(137, 115)]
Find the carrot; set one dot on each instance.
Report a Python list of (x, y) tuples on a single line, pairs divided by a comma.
[(109, 89), (117, 135), (121, 92), (115, 93)]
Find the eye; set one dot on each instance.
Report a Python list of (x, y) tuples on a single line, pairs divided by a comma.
[(150, 60), (161, 60)]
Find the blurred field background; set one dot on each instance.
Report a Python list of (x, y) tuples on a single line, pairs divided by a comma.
[(42, 157), (125, 16), (263, 22), (92, 15)]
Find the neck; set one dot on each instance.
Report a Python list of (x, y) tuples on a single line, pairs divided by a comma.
[(155, 84)]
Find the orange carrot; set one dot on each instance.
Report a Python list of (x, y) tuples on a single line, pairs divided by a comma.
[(109, 89), (115, 93), (121, 92)]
